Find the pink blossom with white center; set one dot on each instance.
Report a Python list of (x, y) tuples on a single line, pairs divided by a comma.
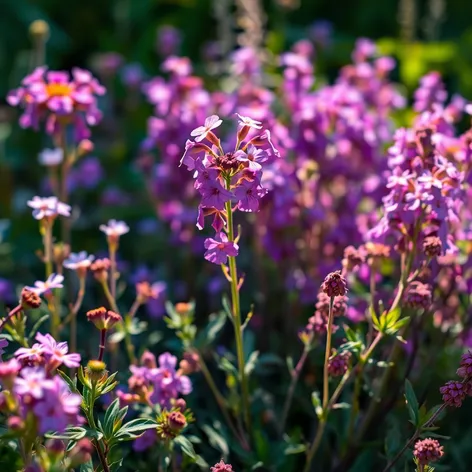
[(48, 207), (51, 157), (53, 281), (57, 353), (246, 121), (115, 229), (201, 132)]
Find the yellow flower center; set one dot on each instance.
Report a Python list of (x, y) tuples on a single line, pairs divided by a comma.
[(58, 90)]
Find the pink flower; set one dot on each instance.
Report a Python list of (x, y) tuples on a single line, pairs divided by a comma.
[(115, 229), (31, 355), (57, 353), (201, 132), (219, 248), (32, 382)]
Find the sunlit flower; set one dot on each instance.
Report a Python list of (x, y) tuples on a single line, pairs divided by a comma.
[(51, 157), (201, 132), (52, 282), (48, 207)]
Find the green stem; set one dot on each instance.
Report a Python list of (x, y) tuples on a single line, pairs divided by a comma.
[(322, 423), (91, 420), (220, 400), (291, 390), (238, 333), (124, 325)]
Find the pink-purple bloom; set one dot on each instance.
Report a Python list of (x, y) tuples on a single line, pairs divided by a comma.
[(219, 248), (115, 229), (56, 353), (3, 344), (60, 100), (80, 260)]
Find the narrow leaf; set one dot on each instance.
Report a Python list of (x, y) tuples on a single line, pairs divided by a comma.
[(412, 402)]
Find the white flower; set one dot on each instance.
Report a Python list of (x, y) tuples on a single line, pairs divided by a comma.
[(115, 228), (79, 260), (48, 207), (246, 121), (51, 157), (53, 281)]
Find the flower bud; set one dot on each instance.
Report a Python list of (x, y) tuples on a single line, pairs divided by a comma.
[(103, 319), (100, 269), (39, 30), (85, 147), (60, 253), (148, 359), (177, 421), (432, 246), (55, 447), (15, 423), (81, 452), (180, 404), (334, 285), (96, 370), (30, 299)]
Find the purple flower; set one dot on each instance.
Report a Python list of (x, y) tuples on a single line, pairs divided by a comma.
[(201, 132), (51, 157), (167, 382), (145, 441), (57, 353), (53, 281), (59, 100), (80, 260), (214, 195), (48, 207), (115, 229), (32, 355), (249, 193), (219, 248)]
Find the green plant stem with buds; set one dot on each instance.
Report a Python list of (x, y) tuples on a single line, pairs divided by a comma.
[(238, 332)]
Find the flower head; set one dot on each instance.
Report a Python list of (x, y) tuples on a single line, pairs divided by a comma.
[(60, 100), (102, 318), (52, 282), (48, 208), (334, 285), (453, 393), (465, 368), (428, 450), (201, 132), (219, 248), (78, 261), (418, 295), (51, 157), (222, 467), (114, 229), (56, 353)]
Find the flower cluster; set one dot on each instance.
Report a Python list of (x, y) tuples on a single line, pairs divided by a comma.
[(227, 181), (37, 391), (158, 383), (59, 100), (454, 392), (427, 451)]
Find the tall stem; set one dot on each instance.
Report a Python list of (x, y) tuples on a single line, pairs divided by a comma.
[(238, 333), (322, 423), (113, 271), (220, 400), (101, 347), (291, 390)]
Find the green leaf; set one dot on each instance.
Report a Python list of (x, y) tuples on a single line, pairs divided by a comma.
[(110, 416), (186, 446), (211, 331), (138, 426), (316, 401), (227, 307), (216, 440), (375, 319), (72, 433), (412, 403), (71, 383), (87, 466), (294, 449), (251, 363)]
